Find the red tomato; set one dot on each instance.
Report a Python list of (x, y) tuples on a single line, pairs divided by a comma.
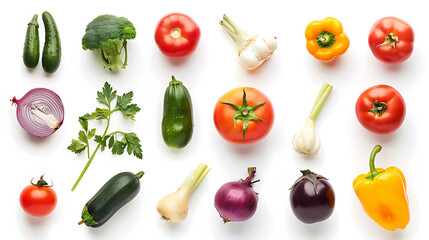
[(380, 109), (391, 40), (38, 199), (177, 35), (244, 105)]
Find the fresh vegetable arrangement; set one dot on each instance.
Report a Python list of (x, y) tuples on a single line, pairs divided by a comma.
[(326, 39), (174, 207), (40, 112), (252, 50), (108, 34), (177, 122), (383, 195), (51, 56), (129, 141), (381, 109), (32, 44), (177, 35), (307, 141), (112, 196), (391, 40), (237, 201), (243, 115), (312, 197), (38, 199)]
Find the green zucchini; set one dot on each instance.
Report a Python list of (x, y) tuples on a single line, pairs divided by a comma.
[(32, 44), (177, 124), (51, 56), (114, 194)]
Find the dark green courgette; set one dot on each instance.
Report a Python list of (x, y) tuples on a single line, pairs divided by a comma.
[(32, 44), (177, 124), (51, 56), (114, 194)]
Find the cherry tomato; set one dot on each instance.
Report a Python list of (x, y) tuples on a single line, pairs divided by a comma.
[(380, 109), (177, 35), (243, 115), (38, 199), (391, 40)]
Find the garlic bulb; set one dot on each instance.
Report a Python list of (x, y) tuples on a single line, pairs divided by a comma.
[(252, 50), (307, 141)]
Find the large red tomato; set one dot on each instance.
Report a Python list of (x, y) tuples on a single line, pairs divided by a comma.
[(177, 35), (391, 40), (38, 199), (380, 109), (244, 115)]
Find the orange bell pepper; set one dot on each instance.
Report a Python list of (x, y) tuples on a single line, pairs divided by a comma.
[(325, 39), (383, 195)]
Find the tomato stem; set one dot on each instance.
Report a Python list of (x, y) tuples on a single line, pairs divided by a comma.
[(390, 39), (245, 113), (320, 100), (41, 182), (378, 107)]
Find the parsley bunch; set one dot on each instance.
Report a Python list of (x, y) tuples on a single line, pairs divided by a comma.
[(117, 141)]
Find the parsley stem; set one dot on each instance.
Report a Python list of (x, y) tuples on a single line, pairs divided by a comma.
[(92, 156), (116, 132)]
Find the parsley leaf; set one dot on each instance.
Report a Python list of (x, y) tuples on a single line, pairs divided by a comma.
[(83, 137), (84, 123), (123, 104), (134, 145), (118, 148), (76, 146), (107, 95)]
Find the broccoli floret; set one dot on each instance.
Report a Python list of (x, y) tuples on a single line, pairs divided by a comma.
[(109, 34)]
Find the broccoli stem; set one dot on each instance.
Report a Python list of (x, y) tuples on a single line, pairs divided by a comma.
[(112, 57)]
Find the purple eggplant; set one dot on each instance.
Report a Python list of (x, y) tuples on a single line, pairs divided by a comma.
[(312, 198)]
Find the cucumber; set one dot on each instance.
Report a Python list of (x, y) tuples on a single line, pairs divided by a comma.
[(32, 44), (177, 124), (51, 56), (114, 194)]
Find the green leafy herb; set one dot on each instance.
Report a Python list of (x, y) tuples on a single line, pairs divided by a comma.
[(117, 141)]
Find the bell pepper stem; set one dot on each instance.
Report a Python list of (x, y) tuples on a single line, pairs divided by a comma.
[(373, 170), (320, 100)]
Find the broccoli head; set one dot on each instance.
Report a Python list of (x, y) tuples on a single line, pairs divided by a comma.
[(109, 34)]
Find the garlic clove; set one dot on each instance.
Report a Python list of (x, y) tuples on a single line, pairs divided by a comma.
[(248, 59), (260, 48), (270, 41)]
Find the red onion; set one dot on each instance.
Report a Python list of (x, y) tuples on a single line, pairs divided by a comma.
[(237, 201), (40, 112)]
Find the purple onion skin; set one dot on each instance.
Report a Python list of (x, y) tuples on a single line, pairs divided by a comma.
[(309, 206), (236, 201)]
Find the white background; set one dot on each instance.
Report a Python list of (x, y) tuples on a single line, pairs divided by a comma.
[(291, 79)]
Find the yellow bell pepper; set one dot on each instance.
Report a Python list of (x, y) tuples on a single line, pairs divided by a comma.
[(325, 39), (383, 195)]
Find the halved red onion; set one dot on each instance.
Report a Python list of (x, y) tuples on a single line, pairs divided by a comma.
[(40, 112)]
